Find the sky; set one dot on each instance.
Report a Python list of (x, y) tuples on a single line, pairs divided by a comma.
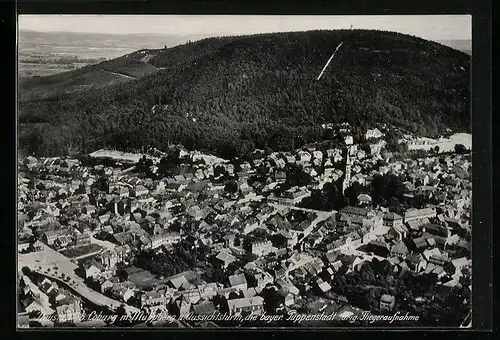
[(431, 27)]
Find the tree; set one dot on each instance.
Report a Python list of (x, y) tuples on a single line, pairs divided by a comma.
[(26, 270), (296, 176), (460, 149), (231, 187), (122, 275)]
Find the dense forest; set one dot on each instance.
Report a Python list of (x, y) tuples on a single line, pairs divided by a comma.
[(233, 94)]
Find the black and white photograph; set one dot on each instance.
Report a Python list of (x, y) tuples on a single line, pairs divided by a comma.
[(238, 171)]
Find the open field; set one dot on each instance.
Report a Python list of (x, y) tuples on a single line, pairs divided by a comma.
[(142, 278)]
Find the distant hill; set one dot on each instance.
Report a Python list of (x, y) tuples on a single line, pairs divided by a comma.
[(229, 95), (461, 45), (130, 42)]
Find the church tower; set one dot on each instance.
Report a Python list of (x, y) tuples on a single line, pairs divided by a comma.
[(347, 178)]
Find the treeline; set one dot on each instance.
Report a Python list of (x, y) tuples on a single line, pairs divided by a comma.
[(240, 93)]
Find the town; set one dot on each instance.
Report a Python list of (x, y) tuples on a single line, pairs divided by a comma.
[(340, 229)]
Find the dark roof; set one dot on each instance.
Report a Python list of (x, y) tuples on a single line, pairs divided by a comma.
[(390, 216), (204, 308), (332, 256), (354, 211), (436, 229)]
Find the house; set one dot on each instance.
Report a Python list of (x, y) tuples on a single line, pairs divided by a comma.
[(84, 226), (375, 148), (63, 241), (399, 231), (122, 292), (104, 284), (82, 240), (419, 243), (38, 245), (50, 236), (181, 306), (23, 246), (204, 308), (332, 256), (392, 220), (387, 302), (280, 176), (419, 214), (108, 258), (364, 199), (286, 297), (348, 140), (254, 305), (373, 133), (123, 237), (262, 248), (351, 211), (48, 287), (263, 278), (92, 268), (323, 286), (122, 192), (399, 249), (416, 262), (437, 230), (379, 248), (156, 298), (162, 239), (224, 258), (71, 312), (179, 282), (139, 191), (238, 281), (304, 156)]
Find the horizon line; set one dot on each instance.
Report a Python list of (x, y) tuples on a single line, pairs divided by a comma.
[(208, 35)]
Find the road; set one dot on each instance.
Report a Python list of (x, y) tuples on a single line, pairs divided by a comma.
[(284, 206), (44, 262), (104, 244), (118, 74), (320, 217)]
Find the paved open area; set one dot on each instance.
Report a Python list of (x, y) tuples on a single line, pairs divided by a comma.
[(56, 266)]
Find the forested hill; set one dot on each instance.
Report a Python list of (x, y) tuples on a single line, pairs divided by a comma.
[(230, 95)]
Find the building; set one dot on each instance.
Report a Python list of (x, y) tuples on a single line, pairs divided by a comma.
[(71, 312), (354, 212), (254, 305), (387, 302), (238, 281), (23, 246), (50, 236), (82, 240), (204, 308), (224, 258), (262, 248), (392, 220), (373, 133), (38, 245), (139, 191), (159, 240), (419, 214), (156, 298), (108, 258), (347, 177)]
